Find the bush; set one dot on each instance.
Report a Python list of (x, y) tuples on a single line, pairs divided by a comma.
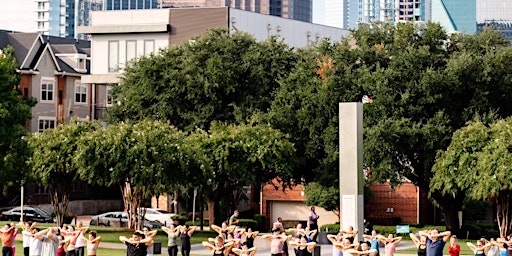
[(260, 218), (248, 223), (331, 228), (197, 223), (477, 230)]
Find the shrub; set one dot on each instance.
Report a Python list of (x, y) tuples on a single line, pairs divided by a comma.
[(260, 218), (197, 223), (248, 223), (331, 228)]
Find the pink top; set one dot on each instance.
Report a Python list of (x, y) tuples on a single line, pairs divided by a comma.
[(276, 246), (390, 248)]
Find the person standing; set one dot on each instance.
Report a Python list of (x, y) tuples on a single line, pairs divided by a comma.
[(49, 241), (277, 241), (435, 241), (233, 220), (27, 234), (313, 219), (80, 241), (92, 243), (135, 245), (172, 235), (421, 244), (185, 234), (454, 248), (7, 234)]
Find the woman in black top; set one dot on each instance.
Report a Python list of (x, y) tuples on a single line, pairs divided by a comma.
[(185, 234)]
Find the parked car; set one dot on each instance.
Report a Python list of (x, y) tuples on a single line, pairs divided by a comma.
[(161, 216), (31, 214), (112, 219)]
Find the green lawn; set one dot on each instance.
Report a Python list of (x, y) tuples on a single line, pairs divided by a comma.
[(464, 249)]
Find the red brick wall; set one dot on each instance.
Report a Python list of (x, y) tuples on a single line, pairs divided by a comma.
[(403, 201)]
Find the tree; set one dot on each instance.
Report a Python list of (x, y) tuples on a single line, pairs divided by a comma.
[(53, 164), (145, 159), (15, 110), (327, 198), (229, 157), (478, 162), (219, 76)]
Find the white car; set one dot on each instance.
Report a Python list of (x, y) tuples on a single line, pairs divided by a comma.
[(161, 216)]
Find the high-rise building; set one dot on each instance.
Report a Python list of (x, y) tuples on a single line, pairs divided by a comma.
[(349, 14), (455, 15), (496, 14), (109, 5), (49, 17)]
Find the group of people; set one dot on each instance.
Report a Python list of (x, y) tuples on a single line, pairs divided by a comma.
[(53, 241)]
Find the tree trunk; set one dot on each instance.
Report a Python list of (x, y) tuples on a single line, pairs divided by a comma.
[(503, 212), (451, 205), (211, 211), (59, 198), (132, 198)]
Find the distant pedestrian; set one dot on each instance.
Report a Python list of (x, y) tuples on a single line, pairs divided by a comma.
[(233, 220), (313, 219)]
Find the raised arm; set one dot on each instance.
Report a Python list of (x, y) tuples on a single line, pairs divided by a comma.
[(216, 228), (208, 246), (267, 237), (397, 240), (332, 238), (415, 239), (191, 230), (471, 246), (446, 235)]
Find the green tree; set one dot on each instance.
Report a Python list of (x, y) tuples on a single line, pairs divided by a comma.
[(218, 76), (229, 157), (145, 159), (53, 164), (15, 110), (478, 163), (327, 198)]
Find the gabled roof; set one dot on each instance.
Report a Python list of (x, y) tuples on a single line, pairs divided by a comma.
[(30, 47)]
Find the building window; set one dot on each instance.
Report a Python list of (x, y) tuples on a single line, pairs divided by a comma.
[(149, 47), (131, 50), (80, 92), (47, 90), (46, 123), (109, 97), (113, 56)]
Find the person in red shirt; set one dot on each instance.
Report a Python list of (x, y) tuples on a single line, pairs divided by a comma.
[(454, 248), (7, 234)]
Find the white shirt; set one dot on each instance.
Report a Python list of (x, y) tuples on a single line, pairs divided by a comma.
[(79, 241), (26, 238), (35, 247)]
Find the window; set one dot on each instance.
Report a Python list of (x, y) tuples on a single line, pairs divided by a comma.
[(47, 90), (113, 56), (131, 50), (80, 92), (46, 123), (149, 47), (110, 99)]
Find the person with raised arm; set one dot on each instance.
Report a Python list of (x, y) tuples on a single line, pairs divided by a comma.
[(245, 250), (390, 244), (136, 244), (365, 250), (224, 230), (304, 247), (374, 240), (149, 234), (185, 234), (454, 247), (172, 234), (435, 241), (93, 243), (7, 235), (350, 233), (421, 244), (250, 236), (26, 234), (277, 240), (219, 247), (345, 246), (49, 241), (481, 247)]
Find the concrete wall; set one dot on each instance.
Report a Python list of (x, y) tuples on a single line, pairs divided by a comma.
[(90, 207)]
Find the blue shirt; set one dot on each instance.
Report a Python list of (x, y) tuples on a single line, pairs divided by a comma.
[(435, 248)]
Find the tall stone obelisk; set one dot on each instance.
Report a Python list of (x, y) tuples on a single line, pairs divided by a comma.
[(351, 166)]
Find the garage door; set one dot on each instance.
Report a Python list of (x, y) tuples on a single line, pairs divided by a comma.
[(290, 210)]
